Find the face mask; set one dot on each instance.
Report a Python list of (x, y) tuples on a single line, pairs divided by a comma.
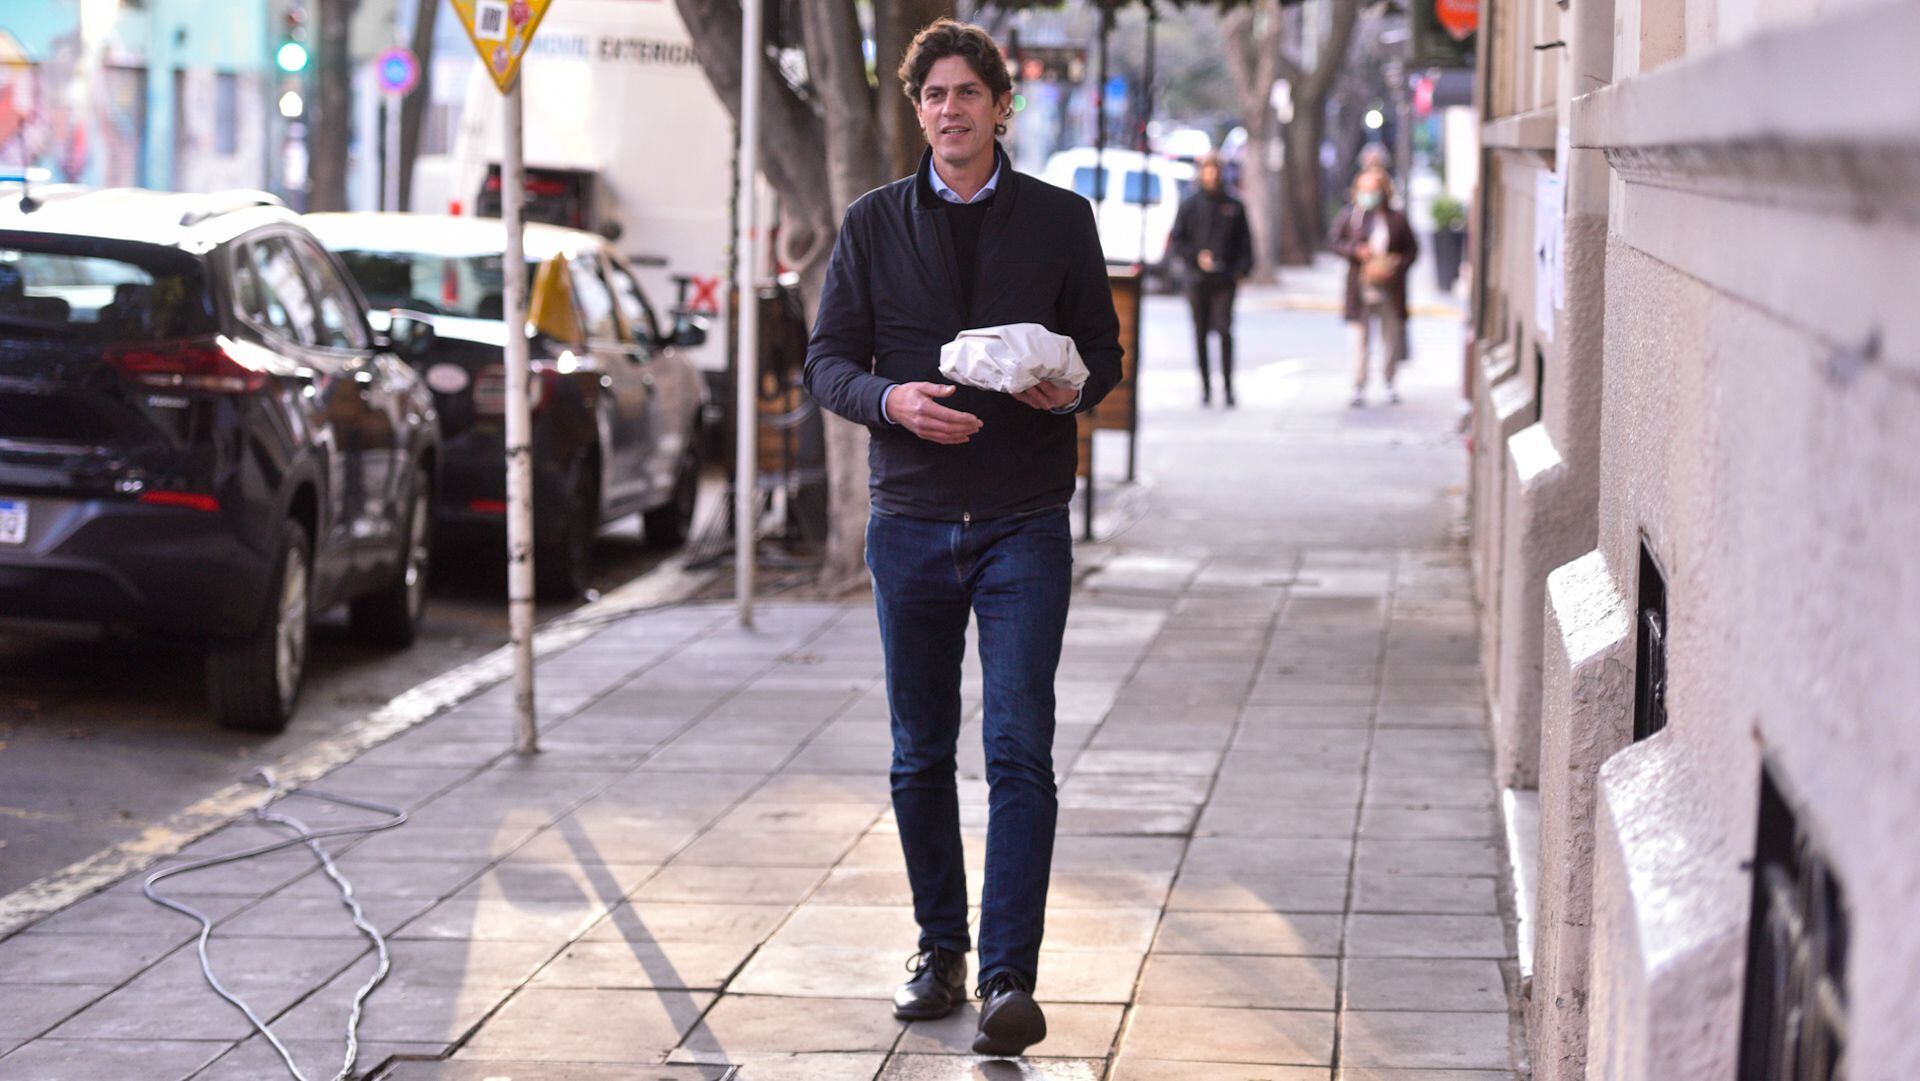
[(1367, 200)]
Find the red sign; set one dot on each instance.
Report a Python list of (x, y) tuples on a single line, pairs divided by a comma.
[(706, 296), (1460, 17)]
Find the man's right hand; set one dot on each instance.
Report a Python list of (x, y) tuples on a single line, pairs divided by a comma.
[(915, 407)]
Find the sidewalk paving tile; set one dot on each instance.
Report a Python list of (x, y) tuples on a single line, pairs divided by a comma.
[(256, 1059), (30, 1009), (909, 1067), (1261, 933), (1423, 893), (1240, 892), (696, 966), (776, 1066), (749, 1023), (1422, 984), (1439, 1040), (1429, 857), (171, 1000), (822, 972), (1279, 983), (110, 1060), (666, 921), (1134, 1068), (1365, 1073), (1089, 975), (1214, 1034), (1376, 935), (691, 883), (1074, 1030), (570, 1025), (109, 959)]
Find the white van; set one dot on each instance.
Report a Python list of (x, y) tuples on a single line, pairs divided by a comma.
[(623, 136), (1143, 193)]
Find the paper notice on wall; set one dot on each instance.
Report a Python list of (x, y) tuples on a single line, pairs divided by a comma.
[(1549, 220)]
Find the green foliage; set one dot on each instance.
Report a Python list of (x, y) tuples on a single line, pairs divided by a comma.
[(1449, 214)]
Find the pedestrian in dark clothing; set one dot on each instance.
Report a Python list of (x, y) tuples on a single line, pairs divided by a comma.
[(1215, 250), (1379, 247), (970, 492)]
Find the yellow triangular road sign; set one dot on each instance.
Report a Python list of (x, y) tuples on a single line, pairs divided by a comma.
[(501, 31)]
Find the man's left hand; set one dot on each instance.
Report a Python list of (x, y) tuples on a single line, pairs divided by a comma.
[(1048, 396)]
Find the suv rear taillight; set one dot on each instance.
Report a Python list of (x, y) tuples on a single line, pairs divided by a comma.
[(205, 364)]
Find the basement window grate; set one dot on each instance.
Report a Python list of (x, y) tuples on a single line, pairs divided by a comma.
[(1650, 651), (1794, 1020)]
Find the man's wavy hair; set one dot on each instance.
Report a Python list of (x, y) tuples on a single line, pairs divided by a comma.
[(942, 38)]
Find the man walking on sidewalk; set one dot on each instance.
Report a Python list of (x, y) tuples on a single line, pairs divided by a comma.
[(1215, 250), (970, 492)]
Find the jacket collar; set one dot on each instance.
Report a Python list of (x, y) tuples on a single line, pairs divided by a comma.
[(926, 199)]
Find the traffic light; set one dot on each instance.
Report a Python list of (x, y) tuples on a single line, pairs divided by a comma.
[(291, 55)]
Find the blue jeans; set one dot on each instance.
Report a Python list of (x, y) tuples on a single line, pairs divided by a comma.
[(1015, 574)]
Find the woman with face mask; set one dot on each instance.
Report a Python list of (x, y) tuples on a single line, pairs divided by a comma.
[(1379, 246)]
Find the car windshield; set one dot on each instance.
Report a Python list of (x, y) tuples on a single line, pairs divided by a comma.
[(469, 286), (52, 293)]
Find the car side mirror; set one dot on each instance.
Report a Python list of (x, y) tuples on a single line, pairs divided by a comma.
[(688, 332), (410, 334)]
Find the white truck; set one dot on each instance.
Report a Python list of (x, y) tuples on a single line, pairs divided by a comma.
[(623, 136)]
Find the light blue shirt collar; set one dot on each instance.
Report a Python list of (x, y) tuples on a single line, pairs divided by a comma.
[(944, 191)]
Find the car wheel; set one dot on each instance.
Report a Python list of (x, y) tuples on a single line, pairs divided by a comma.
[(669, 525), (253, 682), (390, 616), (563, 560)]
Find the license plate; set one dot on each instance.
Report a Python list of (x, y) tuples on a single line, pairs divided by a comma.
[(13, 521)]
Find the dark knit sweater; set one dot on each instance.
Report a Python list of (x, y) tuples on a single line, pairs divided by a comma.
[(963, 225)]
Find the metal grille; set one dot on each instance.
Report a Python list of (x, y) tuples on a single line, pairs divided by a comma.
[(1794, 1026), (1650, 668)]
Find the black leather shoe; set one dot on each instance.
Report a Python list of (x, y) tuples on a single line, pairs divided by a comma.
[(1010, 1020), (938, 987)]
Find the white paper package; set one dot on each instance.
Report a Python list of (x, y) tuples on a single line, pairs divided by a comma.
[(1012, 358)]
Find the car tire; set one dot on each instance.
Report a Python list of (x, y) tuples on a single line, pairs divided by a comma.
[(670, 524), (563, 560), (253, 682), (390, 616)]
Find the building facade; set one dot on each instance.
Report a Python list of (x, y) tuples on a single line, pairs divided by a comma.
[(156, 95), (1696, 512)]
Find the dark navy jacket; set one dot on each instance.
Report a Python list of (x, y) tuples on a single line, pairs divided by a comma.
[(892, 299)]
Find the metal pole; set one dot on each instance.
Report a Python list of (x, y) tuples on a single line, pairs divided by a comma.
[(513, 178), (1100, 113), (391, 201), (747, 311), (1143, 115)]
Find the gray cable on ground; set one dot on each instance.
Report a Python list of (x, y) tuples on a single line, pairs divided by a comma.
[(302, 835)]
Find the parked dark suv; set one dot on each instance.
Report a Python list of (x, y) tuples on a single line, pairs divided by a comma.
[(200, 435), (616, 406)]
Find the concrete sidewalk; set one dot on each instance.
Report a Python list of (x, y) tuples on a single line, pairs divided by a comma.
[(1278, 857)]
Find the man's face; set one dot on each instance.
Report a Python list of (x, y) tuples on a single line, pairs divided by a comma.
[(1210, 178), (957, 111)]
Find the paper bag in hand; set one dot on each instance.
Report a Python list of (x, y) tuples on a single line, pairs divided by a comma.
[(1012, 358)]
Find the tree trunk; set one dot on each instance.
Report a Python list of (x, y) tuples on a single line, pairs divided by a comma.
[(1252, 38), (1303, 224), (820, 158), (792, 138), (330, 125), (894, 24), (414, 107)]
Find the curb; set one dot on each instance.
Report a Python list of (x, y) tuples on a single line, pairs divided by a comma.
[(668, 584)]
